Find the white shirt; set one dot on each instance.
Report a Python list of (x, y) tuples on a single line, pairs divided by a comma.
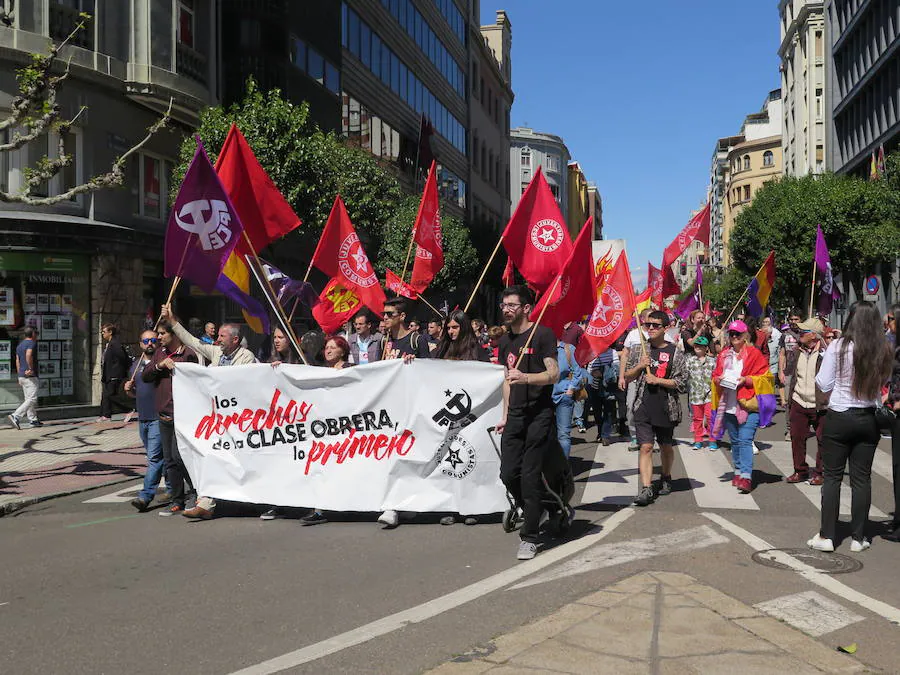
[(363, 344), (733, 372), (632, 340), (840, 383)]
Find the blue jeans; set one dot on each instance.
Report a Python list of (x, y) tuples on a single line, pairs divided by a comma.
[(149, 432), (742, 443), (564, 411), (578, 413)]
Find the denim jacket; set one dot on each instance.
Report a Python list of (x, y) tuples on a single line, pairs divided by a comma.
[(579, 375)]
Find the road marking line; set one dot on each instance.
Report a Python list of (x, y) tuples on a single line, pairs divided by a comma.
[(615, 472), (104, 520), (810, 612), (628, 551), (883, 465), (829, 583), (437, 606), (708, 467), (780, 454)]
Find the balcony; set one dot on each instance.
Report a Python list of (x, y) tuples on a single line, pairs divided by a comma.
[(62, 22), (191, 63)]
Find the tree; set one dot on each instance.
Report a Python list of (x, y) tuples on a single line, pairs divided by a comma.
[(461, 261), (860, 220), (724, 289), (308, 165), (35, 114)]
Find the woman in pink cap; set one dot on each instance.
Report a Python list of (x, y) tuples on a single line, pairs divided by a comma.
[(743, 399)]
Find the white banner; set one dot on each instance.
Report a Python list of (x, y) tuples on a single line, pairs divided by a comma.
[(388, 435)]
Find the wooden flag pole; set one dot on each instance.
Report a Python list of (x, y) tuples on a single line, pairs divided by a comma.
[(432, 307), (538, 322), (483, 273), (175, 282), (294, 309), (725, 323), (812, 290), (640, 330), (412, 240)]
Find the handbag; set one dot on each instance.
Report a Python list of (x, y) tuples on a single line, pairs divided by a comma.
[(580, 394), (885, 418)]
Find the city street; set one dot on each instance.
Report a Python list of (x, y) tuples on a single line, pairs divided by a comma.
[(90, 586)]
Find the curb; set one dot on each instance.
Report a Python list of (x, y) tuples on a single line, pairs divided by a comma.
[(19, 504)]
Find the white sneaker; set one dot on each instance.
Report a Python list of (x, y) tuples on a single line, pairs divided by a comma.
[(755, 449), (389, 518), (859, 546), (527, 551), (821, 544)]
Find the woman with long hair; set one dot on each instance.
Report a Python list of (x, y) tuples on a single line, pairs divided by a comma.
[(893, 400), (853, 370), (459, 341), (282, 351), (743, 399)]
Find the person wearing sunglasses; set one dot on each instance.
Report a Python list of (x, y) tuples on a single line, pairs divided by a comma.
[(144, 394), (659, 373), (743, 399)]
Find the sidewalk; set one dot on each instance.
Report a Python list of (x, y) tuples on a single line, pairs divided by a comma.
[(655, 622), (66, 457)]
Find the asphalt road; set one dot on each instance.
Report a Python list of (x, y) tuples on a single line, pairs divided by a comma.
[(97, 588)]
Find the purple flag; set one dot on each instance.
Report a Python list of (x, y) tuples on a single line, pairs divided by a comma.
[(691, 302), (286, 288), (203, 226), (828, 291)]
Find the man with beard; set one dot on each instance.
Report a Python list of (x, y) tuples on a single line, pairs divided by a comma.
[(528, 421)]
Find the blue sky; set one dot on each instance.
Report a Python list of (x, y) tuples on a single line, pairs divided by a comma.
[(640, 91)]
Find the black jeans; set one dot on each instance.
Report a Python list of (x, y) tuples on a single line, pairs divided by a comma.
[(851, 435), (895, 460), (176, 473), (525, 440), (111, 399)]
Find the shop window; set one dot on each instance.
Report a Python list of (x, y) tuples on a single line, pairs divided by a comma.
[(186, 23)]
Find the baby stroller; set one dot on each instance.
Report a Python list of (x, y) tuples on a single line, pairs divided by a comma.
[(558, 489)]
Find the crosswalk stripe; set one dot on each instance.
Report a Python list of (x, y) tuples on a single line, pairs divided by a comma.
[(615, 471), (708, 468), (779, 453), (883, 465)]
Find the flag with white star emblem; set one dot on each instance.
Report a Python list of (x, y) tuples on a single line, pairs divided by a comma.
[(611, 316), (341, 256), (536, 238)]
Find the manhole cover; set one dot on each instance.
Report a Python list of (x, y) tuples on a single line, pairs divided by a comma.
[(827, 563)]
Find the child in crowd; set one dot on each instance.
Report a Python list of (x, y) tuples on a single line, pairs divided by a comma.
[(700, 366)]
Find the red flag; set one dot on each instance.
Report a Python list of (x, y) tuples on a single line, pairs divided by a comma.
[(341, 256), (394, 283), (612, 313), (509, 273), (669, 285), (655, 284), (573, 296), (337, 305), (707, 308), (536, 238), (427, 235), (266, 214), (697, 229)]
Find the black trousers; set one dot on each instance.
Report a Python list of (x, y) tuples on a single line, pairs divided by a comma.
[(895, 457), (525, 441), (111, 401), (176, 472), (849, 436)]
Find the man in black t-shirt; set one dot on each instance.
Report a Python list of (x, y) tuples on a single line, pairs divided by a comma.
[(659, 372), (528, 423), (399, 340)]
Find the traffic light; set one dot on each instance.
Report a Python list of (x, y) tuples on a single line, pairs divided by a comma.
[(683, 269)]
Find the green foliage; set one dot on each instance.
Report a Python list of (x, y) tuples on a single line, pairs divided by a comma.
[(308, 165), (860, 220), (723, 289), (461, 261), (892, 171)]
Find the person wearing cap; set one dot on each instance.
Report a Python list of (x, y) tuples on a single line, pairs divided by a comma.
[(806, 402), (743, 399), (700, 364)]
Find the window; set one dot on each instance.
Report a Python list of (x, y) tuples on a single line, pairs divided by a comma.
[(768, 158), (4, 163), (353, 33), (298, 55), (185, 30), (315, 65), (526, 157), (332, 78), (551, 163), (69, 174), (746, 193), (150, 199), (365, 45), (38, 149), (746, 162)]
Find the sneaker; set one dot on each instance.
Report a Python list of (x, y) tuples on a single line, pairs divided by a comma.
[(645, 497), (471, 520), (665, 486), (859, 546), (140, 504), (745, 486), (34, 424), (816, 479), (527, 550), (633, 446), (697, 446), (605, 442), (582, 430), (821, 544), (314, 518), (755, 449), (787, 435), (448, 520), (713, 445), (103, 419), (129, 417), (271, 514), (173, 510), (14, 421), (390, 518), (734, 480), (797, 477)]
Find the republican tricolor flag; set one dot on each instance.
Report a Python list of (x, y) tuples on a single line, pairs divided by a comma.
[(761, 287)]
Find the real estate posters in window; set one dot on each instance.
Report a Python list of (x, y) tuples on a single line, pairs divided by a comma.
[(5, 371), (55, 302), (49, 369), (67, 388), (5, 350), (64, 327), (43, 350), (30, 304), (67, 349), (56, 387), (67, 368), (7, 316), (66, 303), (33, 321), (56, 350), (49, 327), (43, 387), (43, 302), (7, 295)]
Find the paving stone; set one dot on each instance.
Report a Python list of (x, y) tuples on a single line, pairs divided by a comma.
[(719, 602), (570, 659), (463, 668), (508, 646), (745, 664), (621, 630), (698, 630)]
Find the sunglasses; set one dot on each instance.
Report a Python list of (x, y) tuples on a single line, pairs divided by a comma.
[(148, 341), (651, 324), (734, 334), (389, 315)]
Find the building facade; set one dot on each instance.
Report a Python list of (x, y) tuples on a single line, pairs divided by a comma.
[(863, 102), (595, 209), (716, 195), (803, 85), (577, 196), (530, 149), (69, 268)]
